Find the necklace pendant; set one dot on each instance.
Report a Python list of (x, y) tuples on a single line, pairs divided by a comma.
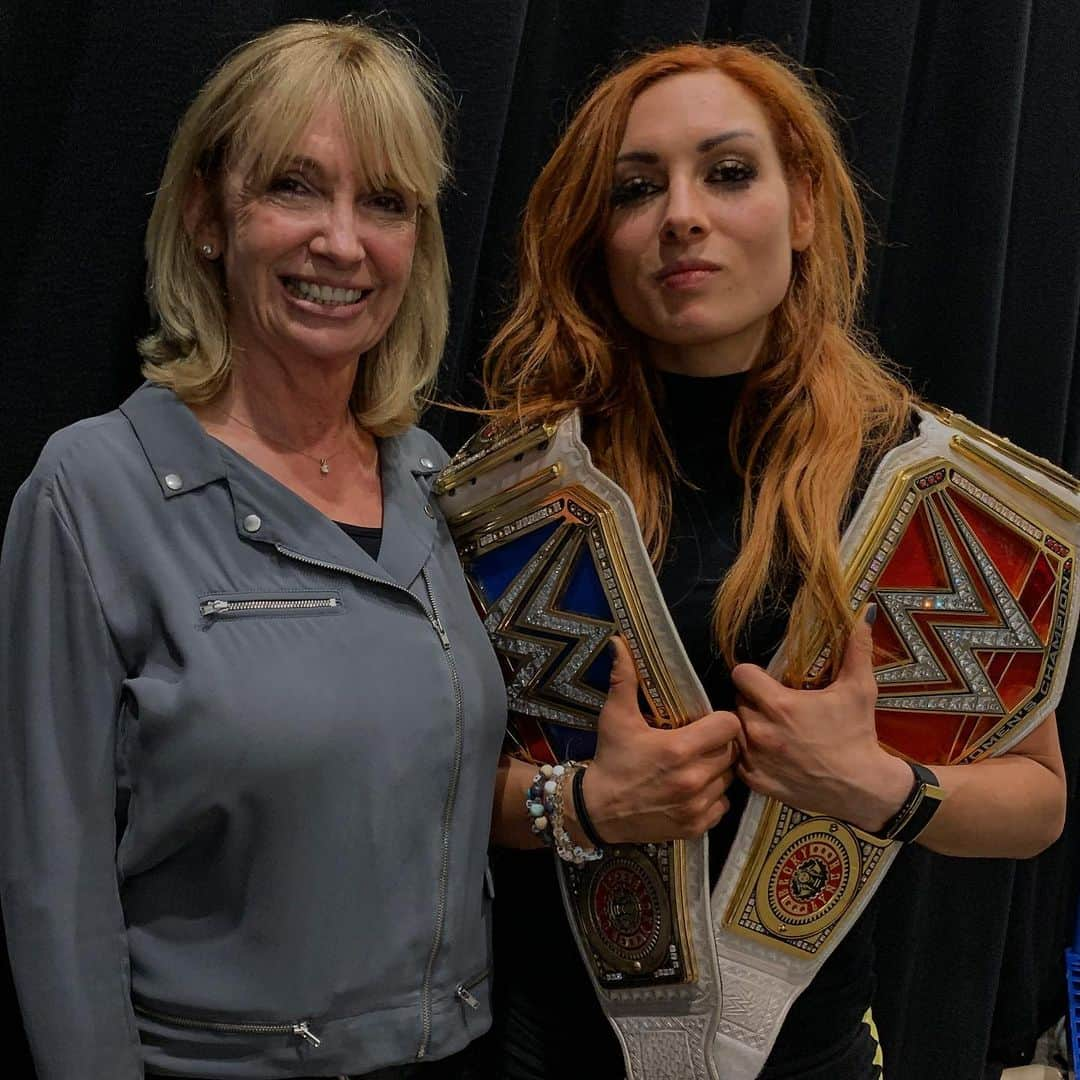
[(323, 467)]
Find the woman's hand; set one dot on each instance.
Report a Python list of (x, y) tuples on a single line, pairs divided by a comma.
[(818, 749), (650, 784)]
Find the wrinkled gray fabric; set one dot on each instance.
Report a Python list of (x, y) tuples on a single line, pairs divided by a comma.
[(237, 817)]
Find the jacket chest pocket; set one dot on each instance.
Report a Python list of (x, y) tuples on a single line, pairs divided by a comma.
[(215, 607)]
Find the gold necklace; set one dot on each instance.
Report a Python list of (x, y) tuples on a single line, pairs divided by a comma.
[(324, 462)]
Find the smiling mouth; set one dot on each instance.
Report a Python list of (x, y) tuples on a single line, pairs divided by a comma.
[(325, 295)]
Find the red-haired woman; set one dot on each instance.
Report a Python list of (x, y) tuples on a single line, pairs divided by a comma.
[(691, 265)]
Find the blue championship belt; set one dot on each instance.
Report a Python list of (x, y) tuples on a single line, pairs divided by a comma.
[(966, 544)]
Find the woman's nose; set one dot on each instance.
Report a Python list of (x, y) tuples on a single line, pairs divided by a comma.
[(340, 236), (685, 214)]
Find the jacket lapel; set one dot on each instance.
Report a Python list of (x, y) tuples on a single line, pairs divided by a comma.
[(408, 515)]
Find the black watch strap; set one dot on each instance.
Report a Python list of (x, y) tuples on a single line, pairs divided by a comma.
[(918, 808)]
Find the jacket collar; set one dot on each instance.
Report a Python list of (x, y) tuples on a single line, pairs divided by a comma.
[(184, 458), (181, 455)]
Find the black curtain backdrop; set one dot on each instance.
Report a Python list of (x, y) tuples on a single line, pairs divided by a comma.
[(961, 118)]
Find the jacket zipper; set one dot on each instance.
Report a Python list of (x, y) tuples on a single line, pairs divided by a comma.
[(463, 989), (226, 607), (448, 810), (300, 1028), (451, 794)]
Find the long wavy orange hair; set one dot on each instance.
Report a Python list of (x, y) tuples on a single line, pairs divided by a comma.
[(819, 402)]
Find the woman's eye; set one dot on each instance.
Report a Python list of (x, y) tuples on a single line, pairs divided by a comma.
[(288, 185), (731, 171), (388, 204), (633, 190)]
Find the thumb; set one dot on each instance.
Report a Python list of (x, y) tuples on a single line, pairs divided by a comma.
[(858, 662), (623, 688)]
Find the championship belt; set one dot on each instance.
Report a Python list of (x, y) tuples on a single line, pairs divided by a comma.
[(966, 544)]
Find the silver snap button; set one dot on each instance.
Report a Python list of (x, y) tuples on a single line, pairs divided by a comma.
[(252, 523), (173, 481), (427, 463), (427, 510)]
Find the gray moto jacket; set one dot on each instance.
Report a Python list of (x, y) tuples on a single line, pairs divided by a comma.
[(246, 771)]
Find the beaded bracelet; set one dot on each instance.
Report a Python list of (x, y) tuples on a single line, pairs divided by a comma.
[(565, 847), (544, 803), (539, 800)]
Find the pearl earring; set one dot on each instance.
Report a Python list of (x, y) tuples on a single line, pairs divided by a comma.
[(207, 250)]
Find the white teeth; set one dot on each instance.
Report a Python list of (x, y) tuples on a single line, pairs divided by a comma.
[(323, 294)]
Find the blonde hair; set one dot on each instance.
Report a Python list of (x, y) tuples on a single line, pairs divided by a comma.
[(819, 402), (253, 109)]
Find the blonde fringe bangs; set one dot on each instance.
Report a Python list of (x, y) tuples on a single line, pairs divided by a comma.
[(250, 115)]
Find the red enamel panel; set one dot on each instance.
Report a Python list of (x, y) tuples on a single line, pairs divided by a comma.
[(916, 562), (1012, 553), (968, 725), (980, 731), (1020, 678), (930, 737), (1040, 582), (1044, 617), (994, 663), (889, 647)]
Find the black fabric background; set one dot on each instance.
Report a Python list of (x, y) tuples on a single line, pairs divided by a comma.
[(962, 117)]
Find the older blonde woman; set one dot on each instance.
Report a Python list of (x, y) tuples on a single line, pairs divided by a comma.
[(251, 720)]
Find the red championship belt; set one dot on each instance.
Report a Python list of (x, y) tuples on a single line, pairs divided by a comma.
[(967, 545)]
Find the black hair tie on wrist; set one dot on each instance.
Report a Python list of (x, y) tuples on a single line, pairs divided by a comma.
[(587, 827)]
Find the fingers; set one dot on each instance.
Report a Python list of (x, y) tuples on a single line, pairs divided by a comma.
[(761, 703), (755, 683), (624, 681), (697, 814), (860, 646), (712, 734), (622, 699), (719, 786), (759, 734), (649, 783), (724, 757), (761, 691), (714, 801), (689, 762), (695, 786), (673, 806), (762, 782), (749, 777), (857, 666)]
